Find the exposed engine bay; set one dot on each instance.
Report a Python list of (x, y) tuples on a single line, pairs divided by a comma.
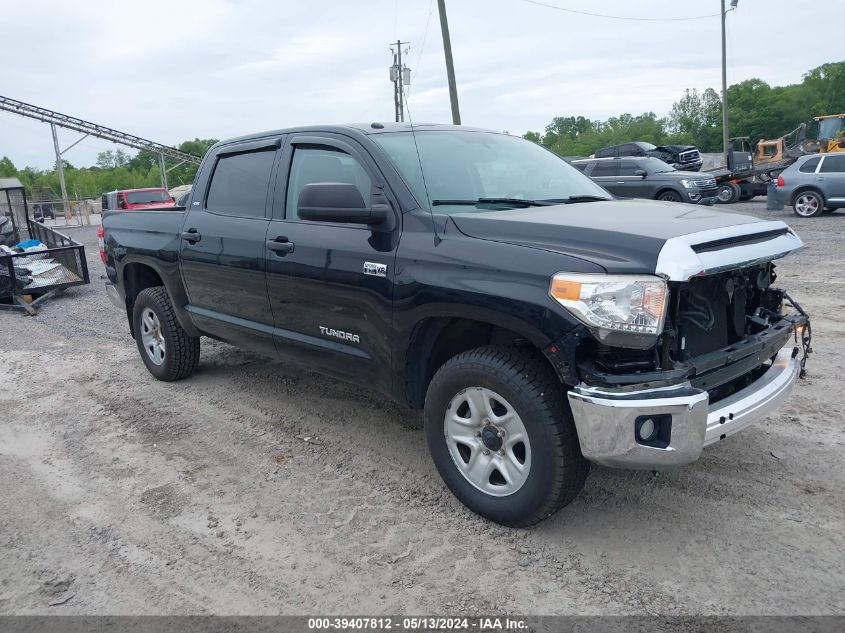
[(720, 332)]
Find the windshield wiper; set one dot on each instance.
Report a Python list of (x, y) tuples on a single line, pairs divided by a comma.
[(517, 202), (583, 199)]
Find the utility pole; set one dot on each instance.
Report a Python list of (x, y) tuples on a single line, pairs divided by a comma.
[(725, 149), (450, 67), (61, 169), (399, 75), (162, 171)]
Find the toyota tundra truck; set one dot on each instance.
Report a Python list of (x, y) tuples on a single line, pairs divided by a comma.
[(539, 323)]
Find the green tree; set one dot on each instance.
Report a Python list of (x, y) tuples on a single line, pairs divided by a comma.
[(7, 168)]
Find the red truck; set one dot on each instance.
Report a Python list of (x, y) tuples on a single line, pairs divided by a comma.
[(149, 198), (132, 199)]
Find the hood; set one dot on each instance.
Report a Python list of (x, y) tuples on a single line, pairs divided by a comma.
[(622, 236), (675, 148), (697, 175)]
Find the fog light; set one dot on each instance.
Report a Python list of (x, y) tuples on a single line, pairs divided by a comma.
[(646, 430)]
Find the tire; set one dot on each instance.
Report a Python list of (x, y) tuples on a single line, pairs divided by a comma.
[(668, 195), (166, 349), (808, 204), (521, 395), (729, 193)]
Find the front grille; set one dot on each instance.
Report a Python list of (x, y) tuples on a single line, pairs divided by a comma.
[(689, 156), (715, 311), (704, 183)]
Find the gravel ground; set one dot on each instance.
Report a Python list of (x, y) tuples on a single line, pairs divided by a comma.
[(252, 488)]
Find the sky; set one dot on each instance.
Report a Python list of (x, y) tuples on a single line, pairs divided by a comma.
[(172, 70)]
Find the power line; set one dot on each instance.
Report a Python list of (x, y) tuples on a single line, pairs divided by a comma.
[(619, 17)]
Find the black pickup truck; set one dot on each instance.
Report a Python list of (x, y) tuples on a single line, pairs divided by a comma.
[(539, 323)]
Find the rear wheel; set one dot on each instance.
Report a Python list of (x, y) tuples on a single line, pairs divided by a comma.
[(502, 437), (166, 349), (669, 196), (808, 204), (729, 193)]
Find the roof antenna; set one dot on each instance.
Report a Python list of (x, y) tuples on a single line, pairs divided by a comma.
[(437, 238)]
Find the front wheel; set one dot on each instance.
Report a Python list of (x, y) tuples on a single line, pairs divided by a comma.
[(502, 437), (729, 193), (669, 196), (166, 349)]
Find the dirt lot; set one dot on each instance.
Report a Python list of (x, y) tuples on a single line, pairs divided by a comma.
[(254, 488)]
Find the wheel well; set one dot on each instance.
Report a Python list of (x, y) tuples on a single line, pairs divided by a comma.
[(660, 192), (137, 277), (435, 340), (805, 189)]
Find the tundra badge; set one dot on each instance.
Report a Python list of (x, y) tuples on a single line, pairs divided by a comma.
[(374, 269), (344, 336)]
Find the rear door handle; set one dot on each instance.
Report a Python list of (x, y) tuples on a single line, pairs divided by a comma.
[(191, 235), (281, 246)]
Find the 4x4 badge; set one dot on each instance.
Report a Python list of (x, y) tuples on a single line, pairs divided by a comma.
[(377, 270)]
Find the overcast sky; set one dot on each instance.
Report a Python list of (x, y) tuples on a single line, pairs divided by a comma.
[(178, 69)]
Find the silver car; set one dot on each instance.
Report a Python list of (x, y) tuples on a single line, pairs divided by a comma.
[(813, 184)]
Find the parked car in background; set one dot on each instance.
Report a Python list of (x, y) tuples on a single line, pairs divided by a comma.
[(682, 157), (43, 211), (128, 199), (649, 178), (813, 184)]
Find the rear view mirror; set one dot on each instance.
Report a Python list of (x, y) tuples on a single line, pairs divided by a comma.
[(337, 202), (641, 173)]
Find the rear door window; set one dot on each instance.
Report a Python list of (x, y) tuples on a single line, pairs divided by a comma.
[(606, 168), (239, 184), (833, 165)]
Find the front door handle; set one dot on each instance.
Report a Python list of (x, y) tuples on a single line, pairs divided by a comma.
[(281, 246), (191, 235)]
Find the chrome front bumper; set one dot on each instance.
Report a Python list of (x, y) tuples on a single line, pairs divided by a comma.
[(606, 418)]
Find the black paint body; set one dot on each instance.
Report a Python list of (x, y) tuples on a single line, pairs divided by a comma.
[(492, 267)]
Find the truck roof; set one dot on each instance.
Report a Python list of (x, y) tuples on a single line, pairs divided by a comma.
[(375, 127)]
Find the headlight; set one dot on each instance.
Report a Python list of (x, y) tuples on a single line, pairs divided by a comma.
[(614, 303), (689, 184)]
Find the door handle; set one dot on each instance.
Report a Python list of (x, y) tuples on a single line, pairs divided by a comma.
[(191, 235), (281, 246)]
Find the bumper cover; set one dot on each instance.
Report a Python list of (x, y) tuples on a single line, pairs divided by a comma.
[(606, 418), (114, 296)]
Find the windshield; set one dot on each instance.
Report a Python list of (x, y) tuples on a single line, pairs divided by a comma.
[(831, 128), (655, 166), (462, 166), (141, 197), (646, 146)]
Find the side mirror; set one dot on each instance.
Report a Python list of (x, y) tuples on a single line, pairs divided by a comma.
[(641, 173), (337, 202)]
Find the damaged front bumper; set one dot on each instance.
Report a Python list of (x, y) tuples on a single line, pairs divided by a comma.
[(609, 420)]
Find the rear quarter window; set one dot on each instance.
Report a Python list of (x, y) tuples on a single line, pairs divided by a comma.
[(810, 166)]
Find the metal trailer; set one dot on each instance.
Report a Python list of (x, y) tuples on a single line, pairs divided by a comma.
[(28, 278)]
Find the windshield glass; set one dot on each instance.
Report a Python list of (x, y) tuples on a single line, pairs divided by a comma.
[(831, 128), (646, 146), (141, 197), (467, 166), (655, 166)]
